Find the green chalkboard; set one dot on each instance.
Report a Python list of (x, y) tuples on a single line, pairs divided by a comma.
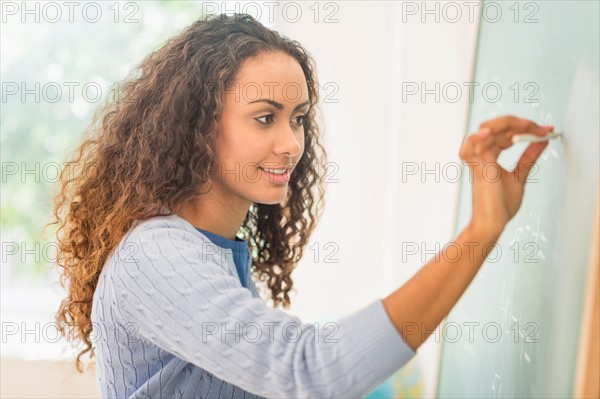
[(515, 331)]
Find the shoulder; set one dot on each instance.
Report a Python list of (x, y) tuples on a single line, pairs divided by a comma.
[(166, 230), (166, 246), (155, 224), (162, 238)]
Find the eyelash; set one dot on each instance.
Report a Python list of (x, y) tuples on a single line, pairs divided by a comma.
[(271, 115)]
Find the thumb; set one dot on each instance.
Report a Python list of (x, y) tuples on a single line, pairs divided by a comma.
[(528, 159)]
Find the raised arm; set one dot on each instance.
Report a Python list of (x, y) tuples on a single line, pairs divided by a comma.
[(419, 306)]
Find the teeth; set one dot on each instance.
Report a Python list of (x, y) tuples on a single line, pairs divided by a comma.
[(275, 171)]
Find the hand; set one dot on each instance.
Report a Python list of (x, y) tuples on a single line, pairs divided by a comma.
[(496, 192)]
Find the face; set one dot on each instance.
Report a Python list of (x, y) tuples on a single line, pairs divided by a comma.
[(261, 129)]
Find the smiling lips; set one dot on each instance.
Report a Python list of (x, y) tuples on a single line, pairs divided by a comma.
[(275, 171), (277, 175)]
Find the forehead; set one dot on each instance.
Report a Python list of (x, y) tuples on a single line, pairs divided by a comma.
[(276, 76)]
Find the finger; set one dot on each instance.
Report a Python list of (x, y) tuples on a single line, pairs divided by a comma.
[(475, 152), (505, 127), (474, 145), (528, 159), (507, 123), (487, 146)]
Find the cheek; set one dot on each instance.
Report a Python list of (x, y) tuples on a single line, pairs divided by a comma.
[(301, 139), (242, 157), (235, 147)]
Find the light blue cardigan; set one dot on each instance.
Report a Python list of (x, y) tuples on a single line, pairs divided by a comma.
[(171, 319)]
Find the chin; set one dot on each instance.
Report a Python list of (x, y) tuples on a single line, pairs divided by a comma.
[(270, 200)]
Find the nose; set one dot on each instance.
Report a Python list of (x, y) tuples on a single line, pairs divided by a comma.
[(289, 141)]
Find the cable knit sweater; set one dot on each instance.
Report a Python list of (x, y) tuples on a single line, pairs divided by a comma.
[(171, 319)]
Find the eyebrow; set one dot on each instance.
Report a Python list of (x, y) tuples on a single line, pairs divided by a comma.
[(277, 105)]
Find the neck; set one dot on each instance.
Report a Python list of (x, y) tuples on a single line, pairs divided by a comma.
[(220, 215)]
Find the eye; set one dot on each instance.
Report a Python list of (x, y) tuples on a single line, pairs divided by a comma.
[(265, 116), (303, 119), (270, 116)]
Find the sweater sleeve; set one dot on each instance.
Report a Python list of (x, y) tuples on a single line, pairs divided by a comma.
[(179, 296)]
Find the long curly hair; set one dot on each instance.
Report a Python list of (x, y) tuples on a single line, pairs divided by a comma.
[(155, 146)]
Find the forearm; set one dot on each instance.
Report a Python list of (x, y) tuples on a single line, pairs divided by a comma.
[(417, 307)]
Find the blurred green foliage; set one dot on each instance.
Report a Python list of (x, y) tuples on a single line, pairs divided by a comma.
[(40, 125)]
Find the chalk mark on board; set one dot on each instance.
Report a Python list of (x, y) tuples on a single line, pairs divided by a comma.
[(540, 255), (505, 303), (523, 323), (499, 389), (518, 233), (545, 155)]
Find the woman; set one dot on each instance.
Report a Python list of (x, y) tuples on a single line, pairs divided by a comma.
[(202, 180)]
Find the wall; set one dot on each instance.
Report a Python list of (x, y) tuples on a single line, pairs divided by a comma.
[(374, 134)]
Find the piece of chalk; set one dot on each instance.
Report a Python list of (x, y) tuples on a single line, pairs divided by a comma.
[(531, 138)]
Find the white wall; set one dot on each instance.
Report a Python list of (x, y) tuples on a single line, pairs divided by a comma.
[(371, 133)]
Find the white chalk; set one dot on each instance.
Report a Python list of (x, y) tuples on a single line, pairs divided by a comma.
[(531, 138)]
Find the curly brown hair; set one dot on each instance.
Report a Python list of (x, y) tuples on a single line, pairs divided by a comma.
[(155, 147)]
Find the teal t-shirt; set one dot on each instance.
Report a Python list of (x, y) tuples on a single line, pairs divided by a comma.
[(239, 247)]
